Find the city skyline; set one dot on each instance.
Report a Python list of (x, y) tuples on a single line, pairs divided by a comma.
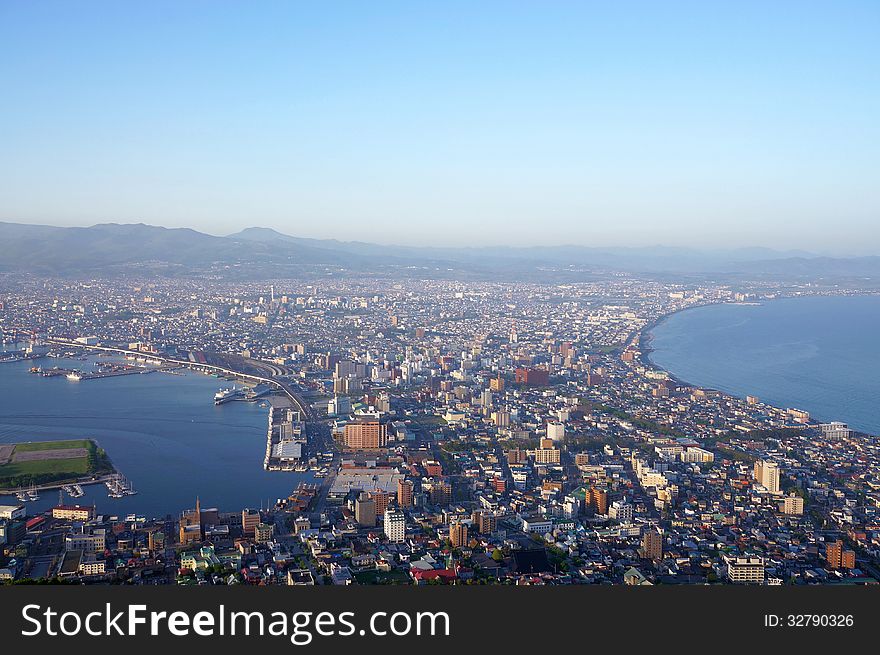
[(504, 124)]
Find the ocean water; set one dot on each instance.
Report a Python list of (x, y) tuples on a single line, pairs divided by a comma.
[(820, 354), (162, 431)]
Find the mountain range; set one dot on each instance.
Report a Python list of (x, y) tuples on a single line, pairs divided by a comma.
[(110, 248)]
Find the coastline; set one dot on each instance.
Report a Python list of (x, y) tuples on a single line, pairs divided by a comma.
[(161, 446), (646, 337)]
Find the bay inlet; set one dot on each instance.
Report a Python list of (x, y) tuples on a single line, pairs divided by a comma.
[(161, 431), (817, 353)]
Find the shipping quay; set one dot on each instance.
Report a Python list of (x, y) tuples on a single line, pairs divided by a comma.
[(286, 437), (246, 394), (273, 380), (104, 372)]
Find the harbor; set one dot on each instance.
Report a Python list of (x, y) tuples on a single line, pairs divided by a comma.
[(100, 370), (246, 394), (164, 432), (285, 439), (116, 485)]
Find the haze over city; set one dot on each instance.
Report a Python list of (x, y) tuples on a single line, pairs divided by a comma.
[(501, 294), (526, 123)]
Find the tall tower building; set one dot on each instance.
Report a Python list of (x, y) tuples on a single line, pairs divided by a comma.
[(766, 474), (405, 493), (395, 525), (458, 535), (365, 511), (652, 544)]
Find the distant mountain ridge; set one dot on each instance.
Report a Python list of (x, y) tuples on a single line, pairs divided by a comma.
[(112, 247)]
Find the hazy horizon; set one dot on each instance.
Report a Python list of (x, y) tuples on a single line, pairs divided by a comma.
[(504, 124), (472, 245)]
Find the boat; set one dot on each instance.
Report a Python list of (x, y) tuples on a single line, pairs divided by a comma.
[(22, 496), (32, 493), (78, 491), (225, 395), (75, 376)]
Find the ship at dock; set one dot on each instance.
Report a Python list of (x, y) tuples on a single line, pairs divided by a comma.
[(226, 395), (118, 487), (244, 393)]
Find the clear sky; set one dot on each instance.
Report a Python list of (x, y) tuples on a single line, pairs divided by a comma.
[(598, 123)]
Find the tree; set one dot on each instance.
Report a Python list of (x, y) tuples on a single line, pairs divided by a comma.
[(497, 555)]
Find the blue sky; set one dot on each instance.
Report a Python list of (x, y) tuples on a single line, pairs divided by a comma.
[(708, 124)]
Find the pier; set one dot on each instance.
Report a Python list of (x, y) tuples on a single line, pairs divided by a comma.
[(285, 386), (103, 372)]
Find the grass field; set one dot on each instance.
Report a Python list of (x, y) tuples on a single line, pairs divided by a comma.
[(31, 446), (42, 471)]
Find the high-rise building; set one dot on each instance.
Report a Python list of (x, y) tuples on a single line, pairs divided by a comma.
[(516, 456), (441, 492), (458, 535), (91, 540), (365, 434), (250, 519), (835, 430), (532, 377), (838, 557), (156, 540), (621, 511), (405, 493), (652, 544), (547, 456), (395, 525), (793, 505), (745, 570), (501, 418), (484, 521), (598, 500), (381, 498), (263, 533), (766, 474), (365, 511), (556, 431), (834, 554)]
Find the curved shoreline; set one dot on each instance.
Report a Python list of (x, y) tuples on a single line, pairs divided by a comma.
[(646, 337)]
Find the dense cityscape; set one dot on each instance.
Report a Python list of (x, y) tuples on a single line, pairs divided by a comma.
[(457, 432)]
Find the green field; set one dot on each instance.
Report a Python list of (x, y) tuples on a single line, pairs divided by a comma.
[(15, 474), (34, 446)]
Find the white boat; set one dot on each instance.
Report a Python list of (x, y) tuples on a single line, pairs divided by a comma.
[(225, 395)]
